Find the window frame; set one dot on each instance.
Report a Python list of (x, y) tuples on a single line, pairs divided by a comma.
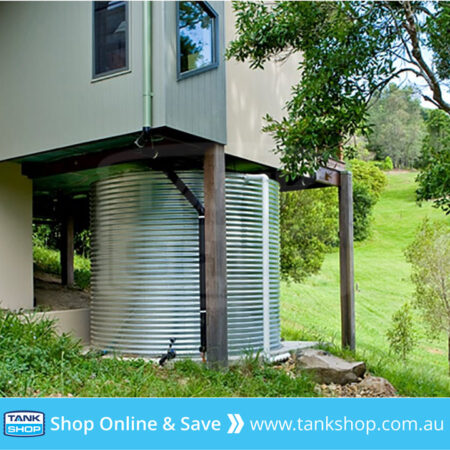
[(215, 43), (114, 72)]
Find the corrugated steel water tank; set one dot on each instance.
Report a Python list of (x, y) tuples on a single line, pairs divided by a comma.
[(145, 264)]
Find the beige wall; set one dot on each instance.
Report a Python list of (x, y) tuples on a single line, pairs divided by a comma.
[(251, 94), (16, 250), (48, 99), (73, 321)]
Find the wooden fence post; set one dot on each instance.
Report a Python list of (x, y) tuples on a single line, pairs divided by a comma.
[(346, 260), (67, 242), (215, 257)]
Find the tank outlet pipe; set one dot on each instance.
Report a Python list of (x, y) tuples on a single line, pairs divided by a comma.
[(197, 205), (147, 69)]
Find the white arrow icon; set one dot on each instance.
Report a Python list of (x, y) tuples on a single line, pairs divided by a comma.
[(236, 423)]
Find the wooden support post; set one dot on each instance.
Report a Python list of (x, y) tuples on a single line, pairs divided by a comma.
[(67, 244), (215, 257), (346, 260)]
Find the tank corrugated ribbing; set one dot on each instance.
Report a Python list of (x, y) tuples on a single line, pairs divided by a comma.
[(145, 269)]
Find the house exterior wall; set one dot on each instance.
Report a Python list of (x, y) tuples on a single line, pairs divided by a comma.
[(16, 250), (48, 98), (251, 94), (196, 104)]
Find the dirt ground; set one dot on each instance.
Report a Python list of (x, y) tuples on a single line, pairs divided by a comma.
[(50, 295)]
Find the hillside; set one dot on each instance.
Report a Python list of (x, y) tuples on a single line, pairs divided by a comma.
[(382, 277)]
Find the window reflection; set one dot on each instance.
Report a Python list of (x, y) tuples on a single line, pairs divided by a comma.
[(110, 37), (196, 34)]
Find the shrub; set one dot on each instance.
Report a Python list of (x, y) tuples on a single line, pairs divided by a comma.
[(368, 184), (309, 228), (363, 203), (386, 164), (370, 175), (402, 335)]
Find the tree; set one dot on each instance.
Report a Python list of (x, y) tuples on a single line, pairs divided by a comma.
[(350, 52), (402, 335), (429, 255), (434, 163), (397, 126)]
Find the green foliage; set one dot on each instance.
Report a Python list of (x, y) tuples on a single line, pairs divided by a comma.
[(82, 243), (429, 255), (363, 203), (402, 335), (309, 220), (309, 227), (369, 174), (369, 182), (434, 176), (385, 165), (45, 235), (34, 361), (48, 260), (350, 51), (48, 236), (397, 126)]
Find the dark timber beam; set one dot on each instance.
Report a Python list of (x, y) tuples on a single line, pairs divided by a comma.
[(346, 260), (215, 256), (323, 177), (67, 242)]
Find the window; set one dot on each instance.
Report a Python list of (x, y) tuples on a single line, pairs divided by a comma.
[(110, 37), (197, 37)]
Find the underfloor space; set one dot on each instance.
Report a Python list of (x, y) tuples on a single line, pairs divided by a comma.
[(51, 295)]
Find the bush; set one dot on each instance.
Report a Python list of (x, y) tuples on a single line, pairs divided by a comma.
[(402, 335), (363, 203), (370, 175), (309, 228), (385, 164), (368, 184)]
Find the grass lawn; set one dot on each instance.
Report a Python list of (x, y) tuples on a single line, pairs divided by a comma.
[(382, 277)]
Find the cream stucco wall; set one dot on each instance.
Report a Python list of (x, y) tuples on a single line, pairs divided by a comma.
[(16, 249), (251, 94)]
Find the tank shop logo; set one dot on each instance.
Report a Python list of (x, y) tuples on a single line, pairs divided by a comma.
[(24, 423)]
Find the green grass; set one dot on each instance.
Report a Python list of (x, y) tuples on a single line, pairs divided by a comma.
[(382, 275), (44, 364)]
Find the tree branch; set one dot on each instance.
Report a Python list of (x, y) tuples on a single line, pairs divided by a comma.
[(430, 77)]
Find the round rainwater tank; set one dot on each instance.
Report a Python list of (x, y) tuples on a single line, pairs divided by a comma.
[(145, 264)]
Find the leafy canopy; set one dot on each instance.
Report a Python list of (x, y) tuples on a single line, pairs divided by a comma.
[(349, 52)]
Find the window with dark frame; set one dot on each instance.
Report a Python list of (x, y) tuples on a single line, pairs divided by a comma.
[(110, 37), (196, 37)]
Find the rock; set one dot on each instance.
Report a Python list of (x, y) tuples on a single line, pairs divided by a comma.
[(330, 369), (377, 387)]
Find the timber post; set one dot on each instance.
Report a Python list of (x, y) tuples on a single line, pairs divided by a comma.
[(67, 242), (346, 260), (215, 256)]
